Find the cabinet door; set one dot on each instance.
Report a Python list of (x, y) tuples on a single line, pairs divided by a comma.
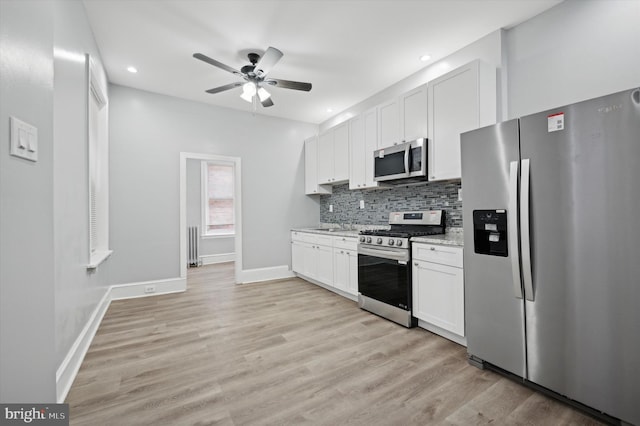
[(438, 295), (370, 144), (311, 168), (414, 115), (341, 153), (325, 158), (324, 259), (340, 269), (309, 260), (388, 124), (297, 257), (357, 157), (453, 109)]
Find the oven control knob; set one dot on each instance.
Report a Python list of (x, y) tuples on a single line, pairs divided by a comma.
[(362, 239), (399, 243), (391, 242), (369, 239), (379, 241)]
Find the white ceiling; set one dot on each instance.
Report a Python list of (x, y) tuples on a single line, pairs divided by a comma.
[(348, 49)]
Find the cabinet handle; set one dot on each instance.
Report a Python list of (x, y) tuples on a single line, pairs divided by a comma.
[(415, 263), (432, 248)]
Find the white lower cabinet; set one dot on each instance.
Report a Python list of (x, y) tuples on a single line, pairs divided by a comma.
[(330, 261), (345, 269), (438, 287)]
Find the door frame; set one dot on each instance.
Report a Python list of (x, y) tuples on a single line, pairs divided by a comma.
[(184, 156)]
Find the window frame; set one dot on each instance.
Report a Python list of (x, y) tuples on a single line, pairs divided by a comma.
[(97, 134), (204, 193)]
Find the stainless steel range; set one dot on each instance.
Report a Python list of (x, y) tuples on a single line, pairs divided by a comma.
[(384, 264)]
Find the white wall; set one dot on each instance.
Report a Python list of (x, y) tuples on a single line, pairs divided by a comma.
[(577, 50), (210, 245), (77, 290), (27, 326), (488, 49), (148, 131)]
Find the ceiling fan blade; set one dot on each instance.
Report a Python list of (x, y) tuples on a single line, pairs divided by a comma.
[(288, 84), (267, 102), (267, 61), (216, 63), (225, 87)]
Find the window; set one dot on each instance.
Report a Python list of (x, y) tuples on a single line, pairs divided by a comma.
[(218, 203), (98, 158)]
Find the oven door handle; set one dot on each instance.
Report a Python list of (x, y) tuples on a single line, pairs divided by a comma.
[(400, 256)]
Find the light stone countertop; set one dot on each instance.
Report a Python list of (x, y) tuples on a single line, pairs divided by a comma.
[(451, 237), (329, 231)]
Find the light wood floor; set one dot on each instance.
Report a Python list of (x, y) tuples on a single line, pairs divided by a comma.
[(284, 352)]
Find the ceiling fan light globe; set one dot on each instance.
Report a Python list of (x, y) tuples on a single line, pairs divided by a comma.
[(246, 96), (263, 94), (249, 88)]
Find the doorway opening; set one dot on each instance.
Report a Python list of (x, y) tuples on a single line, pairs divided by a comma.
[(210, 214)]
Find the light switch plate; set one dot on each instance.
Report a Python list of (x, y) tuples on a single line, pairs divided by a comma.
[(24, 140), (362, 204)]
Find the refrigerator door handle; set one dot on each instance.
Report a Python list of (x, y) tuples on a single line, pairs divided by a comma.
[(513, 228), (524, 231)]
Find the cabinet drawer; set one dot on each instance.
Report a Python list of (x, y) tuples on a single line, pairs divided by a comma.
[(347, 243), (444, 255)]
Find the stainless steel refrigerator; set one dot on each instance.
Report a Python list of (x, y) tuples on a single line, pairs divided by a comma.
[(551, 214)]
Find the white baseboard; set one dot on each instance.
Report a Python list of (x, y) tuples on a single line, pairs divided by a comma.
[(265, 274), (461, 340), (68, 369), (129, 291), (210, 259), (70, 365)]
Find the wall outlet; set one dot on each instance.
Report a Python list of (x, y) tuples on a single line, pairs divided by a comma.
[(362, 204), (150, 289), (330, 208)]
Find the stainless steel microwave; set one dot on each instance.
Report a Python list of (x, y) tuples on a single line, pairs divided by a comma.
[(402, 163)]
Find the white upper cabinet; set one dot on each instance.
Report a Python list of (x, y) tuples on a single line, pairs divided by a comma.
[(333, 155), (364, 140), (461, 100), (403, 119), (311, 168), (413, 113), (389, 123)]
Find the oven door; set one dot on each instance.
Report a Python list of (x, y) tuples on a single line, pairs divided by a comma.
[(384, 274)]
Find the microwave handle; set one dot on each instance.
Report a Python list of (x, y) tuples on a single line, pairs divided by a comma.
[(407, 153)]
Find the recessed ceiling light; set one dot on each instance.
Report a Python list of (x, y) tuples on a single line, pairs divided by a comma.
[(132, 70), (329, 109), (425, 58)]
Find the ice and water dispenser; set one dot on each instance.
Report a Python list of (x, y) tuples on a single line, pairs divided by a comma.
[(490, 232)]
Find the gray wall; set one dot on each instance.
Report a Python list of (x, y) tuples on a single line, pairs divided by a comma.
[(78, 291), (210, 245), (147, 133), (574, 51), (380, 202), (27, 326)]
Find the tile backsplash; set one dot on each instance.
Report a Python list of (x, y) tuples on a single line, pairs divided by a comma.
[(378, 203)]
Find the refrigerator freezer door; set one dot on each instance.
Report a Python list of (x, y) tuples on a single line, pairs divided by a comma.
[(494, 316), (583, 335)]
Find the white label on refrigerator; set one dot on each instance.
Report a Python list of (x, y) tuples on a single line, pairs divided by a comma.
[(555, 122)]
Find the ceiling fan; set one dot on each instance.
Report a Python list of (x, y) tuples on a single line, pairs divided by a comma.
[(255, 77)]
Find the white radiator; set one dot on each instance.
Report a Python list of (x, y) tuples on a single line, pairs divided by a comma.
[(193, 257)]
